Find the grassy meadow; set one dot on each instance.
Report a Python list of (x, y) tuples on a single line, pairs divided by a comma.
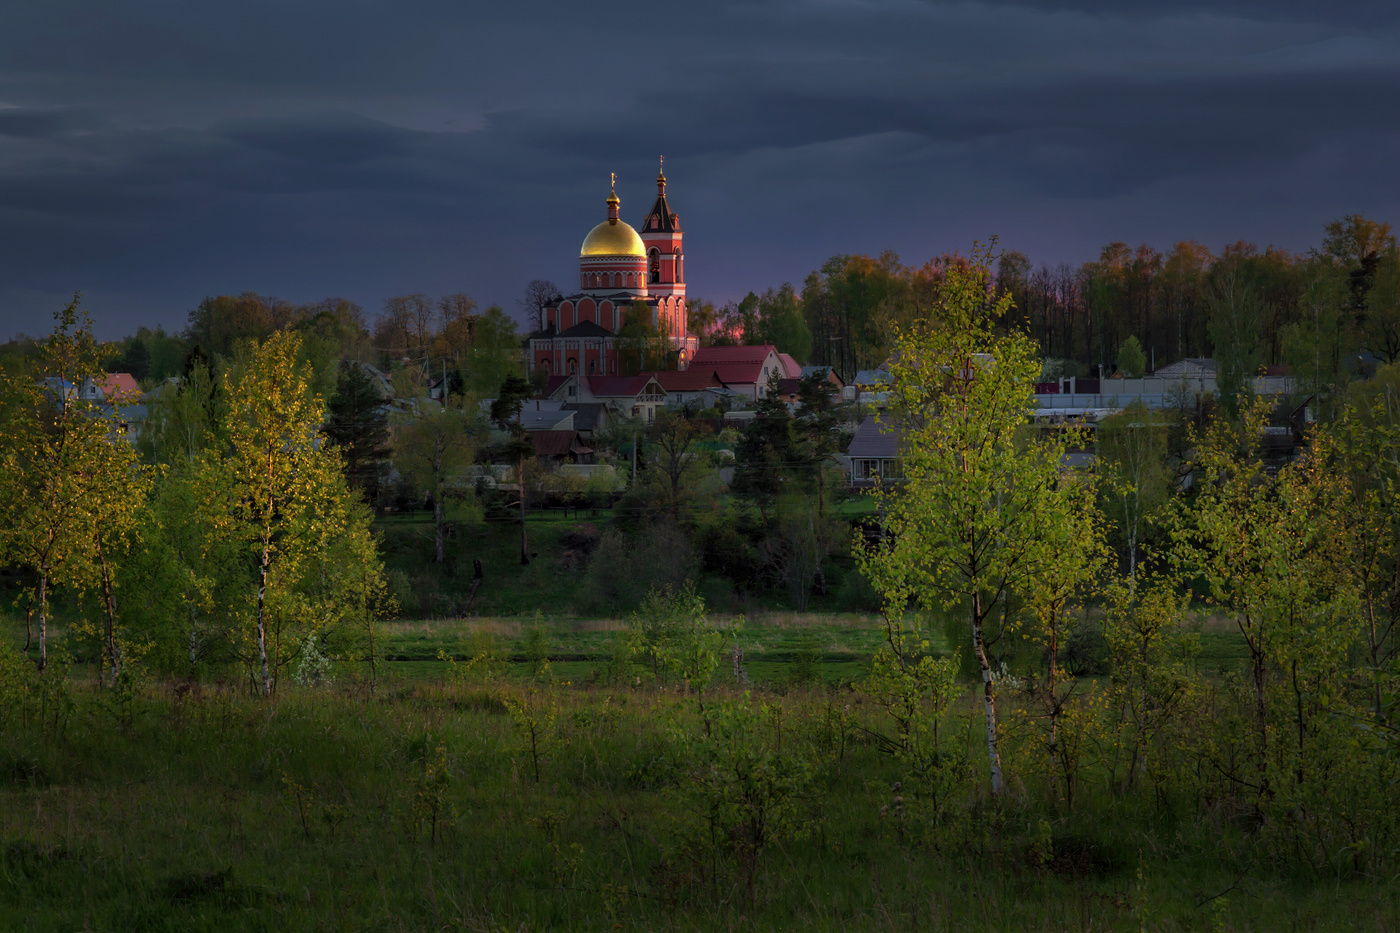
[(502, 775)]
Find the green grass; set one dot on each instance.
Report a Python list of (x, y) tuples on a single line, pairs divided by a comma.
[(835, 648), (214, 811)]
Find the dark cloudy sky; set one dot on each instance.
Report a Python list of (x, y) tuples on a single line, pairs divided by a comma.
[(153, 152)]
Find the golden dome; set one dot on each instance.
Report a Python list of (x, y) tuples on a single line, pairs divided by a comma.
[(612, 238)]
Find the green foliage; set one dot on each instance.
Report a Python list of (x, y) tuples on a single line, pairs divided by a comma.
[(1235, 312), (533, 714), (1132, 362), (671, 636), (983, 515), (781, 324), (432, 782), (358, 424), (69, 492), (277, 497), (625, 568), (434, 449), (916, 690), (1134, 478), (746, 785), (494, 355)]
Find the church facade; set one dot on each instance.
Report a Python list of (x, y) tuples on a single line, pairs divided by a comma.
[(621, 272)]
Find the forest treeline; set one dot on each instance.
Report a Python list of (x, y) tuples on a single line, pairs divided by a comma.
[(1312, 312), (1323, 314)]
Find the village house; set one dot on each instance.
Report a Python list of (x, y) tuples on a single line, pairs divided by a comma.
[(743, 369), (629, 396), (874, 452)]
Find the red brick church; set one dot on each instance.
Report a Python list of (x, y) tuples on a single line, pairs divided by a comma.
[(618, 268)]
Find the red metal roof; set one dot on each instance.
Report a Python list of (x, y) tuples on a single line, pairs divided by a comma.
[(736, 365), (618, 386), (692, 380), (119, 387), (750, 354), (792, 367)]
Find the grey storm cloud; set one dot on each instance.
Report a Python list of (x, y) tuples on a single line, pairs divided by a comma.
[(155, 152)]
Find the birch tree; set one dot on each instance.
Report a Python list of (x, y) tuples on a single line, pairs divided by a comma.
[(52, 444), (981, 502), (277, 492), (1134, 481), (108, 518)]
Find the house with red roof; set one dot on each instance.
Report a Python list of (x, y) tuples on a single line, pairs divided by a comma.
[(696, 385), (631, 396), (112, 388), (744, 369)]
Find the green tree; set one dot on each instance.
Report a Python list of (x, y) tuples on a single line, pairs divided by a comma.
[(110, 515), (982, 508), (814, 433), (1132, 362), (671, 435), (1133, 473), (1235, 312), (1361, 493), (277, 494), (1381, 330), (494, 355), (780, 322), (1257, 542), (358, 425), (181, 419), (764, 455), (53, 449), (434, 448)]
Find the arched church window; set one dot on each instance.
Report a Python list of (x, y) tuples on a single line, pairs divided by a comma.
[(591, 366), (677, 255), (573, 366), (655, 266), (583, 281)]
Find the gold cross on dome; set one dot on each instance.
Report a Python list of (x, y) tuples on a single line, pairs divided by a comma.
[(612, 179)]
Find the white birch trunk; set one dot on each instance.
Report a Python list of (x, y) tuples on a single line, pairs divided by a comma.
[(989, 695), (262, 626)]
